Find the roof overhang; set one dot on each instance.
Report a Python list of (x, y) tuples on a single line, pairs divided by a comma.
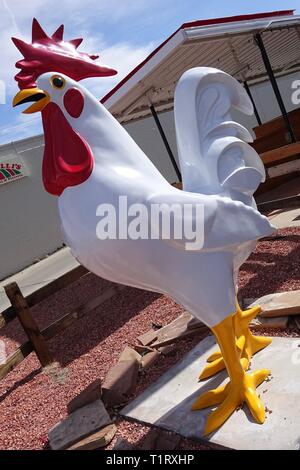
[(225, 43)]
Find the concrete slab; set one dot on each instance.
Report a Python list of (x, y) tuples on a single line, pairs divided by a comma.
[(167, 403), (39, 274), (286, 218)]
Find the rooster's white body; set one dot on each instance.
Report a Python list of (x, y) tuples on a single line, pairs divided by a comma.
[(91, 161), (219, 171)]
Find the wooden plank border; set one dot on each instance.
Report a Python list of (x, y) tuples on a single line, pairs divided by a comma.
[(29, 324), (284, 203), (287, 151), (58, 327), (37, 296)]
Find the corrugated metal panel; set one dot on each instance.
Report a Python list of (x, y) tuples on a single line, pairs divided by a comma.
[(237, 55)]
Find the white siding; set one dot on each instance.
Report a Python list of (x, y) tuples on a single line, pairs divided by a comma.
[(147, 136)]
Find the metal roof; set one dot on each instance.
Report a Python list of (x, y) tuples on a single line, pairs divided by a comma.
[(224, 43)]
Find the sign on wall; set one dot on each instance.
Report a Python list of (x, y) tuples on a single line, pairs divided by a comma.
[(12, 169)]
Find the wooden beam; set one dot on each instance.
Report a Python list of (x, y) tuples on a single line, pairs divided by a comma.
[(56, 285), (284, 169), (7, 316), (41, 294), (28, 323), (67, 320), (15, 359), (57, 327), (281, 153), (284, 203)]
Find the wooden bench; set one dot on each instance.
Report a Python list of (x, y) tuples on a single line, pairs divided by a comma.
[(281, 153)]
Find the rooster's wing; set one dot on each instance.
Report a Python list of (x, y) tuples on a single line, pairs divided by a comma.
[(222, 223)]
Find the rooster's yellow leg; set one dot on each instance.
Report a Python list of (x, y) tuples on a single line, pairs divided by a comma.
[(216, 362), (241, 387), (253, 344), (246, 342)]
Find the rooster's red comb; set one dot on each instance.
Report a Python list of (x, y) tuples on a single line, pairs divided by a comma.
[(46, 54)]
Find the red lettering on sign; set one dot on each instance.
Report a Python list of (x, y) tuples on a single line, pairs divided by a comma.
[(8, 166)]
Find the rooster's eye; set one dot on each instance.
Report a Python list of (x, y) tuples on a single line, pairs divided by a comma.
[(57, 81)]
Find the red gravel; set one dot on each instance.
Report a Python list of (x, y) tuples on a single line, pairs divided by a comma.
[(274, 266), (32, 400)]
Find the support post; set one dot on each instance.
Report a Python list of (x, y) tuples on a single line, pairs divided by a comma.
[(165, 141), (247, 88), (28, 323), (274, 84)]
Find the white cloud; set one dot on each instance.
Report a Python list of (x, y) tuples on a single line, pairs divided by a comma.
[(122, 57), (20, 127), (76, 11), (15, 20)]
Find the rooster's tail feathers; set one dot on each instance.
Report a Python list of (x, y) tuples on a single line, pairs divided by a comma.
[(213, 151)]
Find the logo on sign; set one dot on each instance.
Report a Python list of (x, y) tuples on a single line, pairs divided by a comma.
[(11, 171)]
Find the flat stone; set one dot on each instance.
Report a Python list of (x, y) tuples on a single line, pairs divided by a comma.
[(120, 382), (78, 425), (182, 327), (149, 359), (286, 218), (157, 439), (167, 403), (183, 335), (176, 327), (129, 354), (167, 441), (168, 350), (193, 322), (97, 440), (279, 304), (142, 350), (122, 444), (91, 393), (270, 323), (148, 337), (246, 302)]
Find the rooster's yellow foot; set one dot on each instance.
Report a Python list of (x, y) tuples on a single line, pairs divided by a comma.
[(231, 396), (247, 343)]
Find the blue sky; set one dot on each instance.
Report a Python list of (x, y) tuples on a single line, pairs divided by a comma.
[(123, 31)]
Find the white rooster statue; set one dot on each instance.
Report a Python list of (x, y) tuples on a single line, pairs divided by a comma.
[(90, 159)]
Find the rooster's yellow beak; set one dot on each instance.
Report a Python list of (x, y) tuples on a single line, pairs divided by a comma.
[(40, 98)]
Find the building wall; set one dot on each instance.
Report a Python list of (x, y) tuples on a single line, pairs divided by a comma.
[(29, 225), (147, 136)]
